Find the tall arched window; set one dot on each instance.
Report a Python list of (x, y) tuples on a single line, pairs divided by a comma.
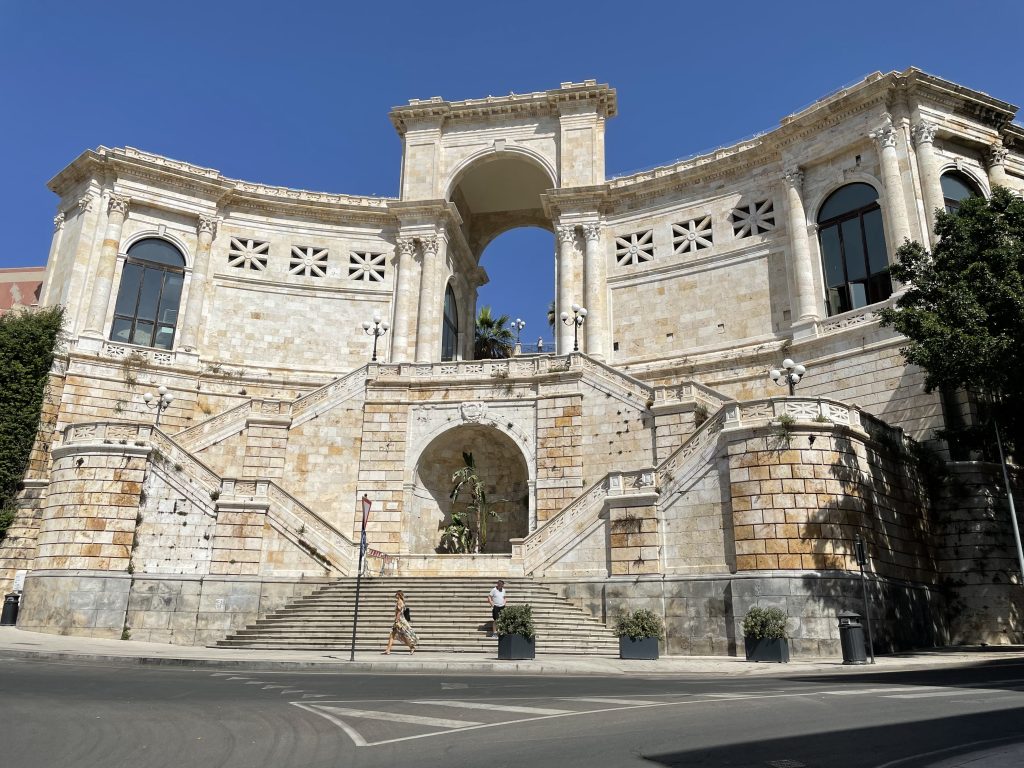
[(450, 329), (146, 311), (957, 187), (853, 253)]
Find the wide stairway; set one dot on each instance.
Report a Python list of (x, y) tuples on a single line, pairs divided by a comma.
[(448, 614)]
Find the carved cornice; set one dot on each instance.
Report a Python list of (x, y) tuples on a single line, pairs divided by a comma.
[(924, 132), (885, 134), (58, 222), (996, 155), (118, 204)]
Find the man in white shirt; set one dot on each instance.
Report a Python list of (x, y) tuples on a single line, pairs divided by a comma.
[(497, 600)]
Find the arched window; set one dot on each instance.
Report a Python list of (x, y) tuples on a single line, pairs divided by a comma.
[(146, 311), (853, 254), (957, 187), (450, 329)]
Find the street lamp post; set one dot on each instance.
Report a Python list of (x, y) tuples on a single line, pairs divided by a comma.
[(519, 324), (791, 376), (579, 315), (376, 329), (366, 504), (163, 399)]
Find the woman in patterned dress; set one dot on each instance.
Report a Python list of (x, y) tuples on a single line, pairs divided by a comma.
[(401, 629)]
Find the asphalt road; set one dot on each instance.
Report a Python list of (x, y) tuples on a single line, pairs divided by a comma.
[(57, 714)]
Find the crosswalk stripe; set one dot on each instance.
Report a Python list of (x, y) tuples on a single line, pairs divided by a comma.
[(495, 707), (936, 694), (859, 691), (397, 717), (603, 700)]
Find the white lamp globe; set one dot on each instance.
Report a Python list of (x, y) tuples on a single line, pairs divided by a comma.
[(788, 363), (148, 397), (800, 370), (366, 325), (774, 374)]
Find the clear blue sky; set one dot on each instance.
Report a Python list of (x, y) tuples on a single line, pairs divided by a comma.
[(297, 93)]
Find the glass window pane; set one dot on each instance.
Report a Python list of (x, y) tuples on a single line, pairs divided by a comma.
[(152, 280), (832, 257), (878, 258), (121, 330), (858, 295), (957, 186), (164, 337), (128, 293), (143, 335), (853, 249), (846, 199), (838, 300), (158, 251), (171, 298)]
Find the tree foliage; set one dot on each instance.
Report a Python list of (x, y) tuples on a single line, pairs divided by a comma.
[(459, 536), (28, 341), (964, 309), (493, 340)]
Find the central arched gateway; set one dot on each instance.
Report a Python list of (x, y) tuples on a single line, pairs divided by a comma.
[(503, 469)]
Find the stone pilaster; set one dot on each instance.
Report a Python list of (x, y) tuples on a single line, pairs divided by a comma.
[(896, 203), (206, 229), (117, 211), (566, 252), (806, 304), (931, 187), (405, 248), (995, 162), (427, 325), (597, 310)]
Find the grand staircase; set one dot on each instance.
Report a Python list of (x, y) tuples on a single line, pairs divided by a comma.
[(449, 615)]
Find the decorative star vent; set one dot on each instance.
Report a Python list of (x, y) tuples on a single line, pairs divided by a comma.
[(691, 236), (753, 219), (635, 248), (308, 261), (366, 266), (248, 254)]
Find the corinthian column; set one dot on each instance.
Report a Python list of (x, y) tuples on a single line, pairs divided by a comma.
[(406, 248), (206, 229), (885, 137), (563, 333), (931, 187), (995, 160), (117, 210), (426, 326), (806, 308), (594, 267)]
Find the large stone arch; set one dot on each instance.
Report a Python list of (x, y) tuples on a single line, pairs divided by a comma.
[(503, 467)]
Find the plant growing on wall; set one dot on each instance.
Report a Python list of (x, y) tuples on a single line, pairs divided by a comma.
[(457, 536)]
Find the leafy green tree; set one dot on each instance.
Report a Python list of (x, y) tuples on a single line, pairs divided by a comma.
[(493, 339), (468, 478), (28, 341), (963, 311)]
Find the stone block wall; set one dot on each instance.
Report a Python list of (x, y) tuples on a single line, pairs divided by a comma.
[(382, 457), (616, 436), (634, 537), (176, 524), (559, 453), (697, 522), (266, 443), (18, 548)]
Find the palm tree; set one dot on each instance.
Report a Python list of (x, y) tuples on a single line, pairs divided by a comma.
[(493, 340)]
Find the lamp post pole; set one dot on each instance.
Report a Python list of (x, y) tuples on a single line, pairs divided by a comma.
[(359, 572), (376, 329), (862, 559), (163, 400), (579, 315), (791, 376), (1009, 498), (519, 324)]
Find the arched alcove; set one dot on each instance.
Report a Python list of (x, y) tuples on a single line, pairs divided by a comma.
[(503, 469)]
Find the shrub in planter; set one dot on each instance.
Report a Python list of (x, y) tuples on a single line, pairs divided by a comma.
[(516, 633), (764, 635), (639, 632)]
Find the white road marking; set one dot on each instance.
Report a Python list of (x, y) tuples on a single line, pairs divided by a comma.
[(255, 682), (397, 717), (353, 734), (600, 700), (314, 695), (890, 689), (495, 707), (270, 687), (937, 694), (238, 678)]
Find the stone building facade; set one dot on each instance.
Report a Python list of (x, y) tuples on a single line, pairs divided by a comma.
[(657, 466)]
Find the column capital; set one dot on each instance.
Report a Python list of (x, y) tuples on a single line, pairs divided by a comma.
[(885, 134), (207, 225), (118, 204), (794, 176), (996, 155), (406, 246), (58, 221), (85, 203), (429, 244), (592, 232), (924, 132), (566, 233)]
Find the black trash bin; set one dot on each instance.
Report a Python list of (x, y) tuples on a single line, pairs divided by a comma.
[(851, 636), (9, 617)]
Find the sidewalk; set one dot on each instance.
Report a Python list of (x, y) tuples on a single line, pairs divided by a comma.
[(16, 643)]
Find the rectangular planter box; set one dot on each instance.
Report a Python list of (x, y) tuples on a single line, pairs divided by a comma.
[(511, 647), (644, 648), (776, 651)]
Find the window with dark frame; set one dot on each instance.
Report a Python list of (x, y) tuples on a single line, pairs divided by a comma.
[(855, 261), (957, 187), (450, 327), (148, 298)]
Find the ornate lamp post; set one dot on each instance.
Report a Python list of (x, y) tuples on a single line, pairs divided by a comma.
[(579, 315), (376, 329), (791, 376), (519, 324), (163, 399)]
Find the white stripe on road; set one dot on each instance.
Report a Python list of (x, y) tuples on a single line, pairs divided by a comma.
[(936, 694), (603, 700), (890, 689), (397, 717), (495, 707)]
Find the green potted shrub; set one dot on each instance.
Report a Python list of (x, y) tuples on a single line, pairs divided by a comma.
[(516, 634), (639, 632), (764, 635)]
